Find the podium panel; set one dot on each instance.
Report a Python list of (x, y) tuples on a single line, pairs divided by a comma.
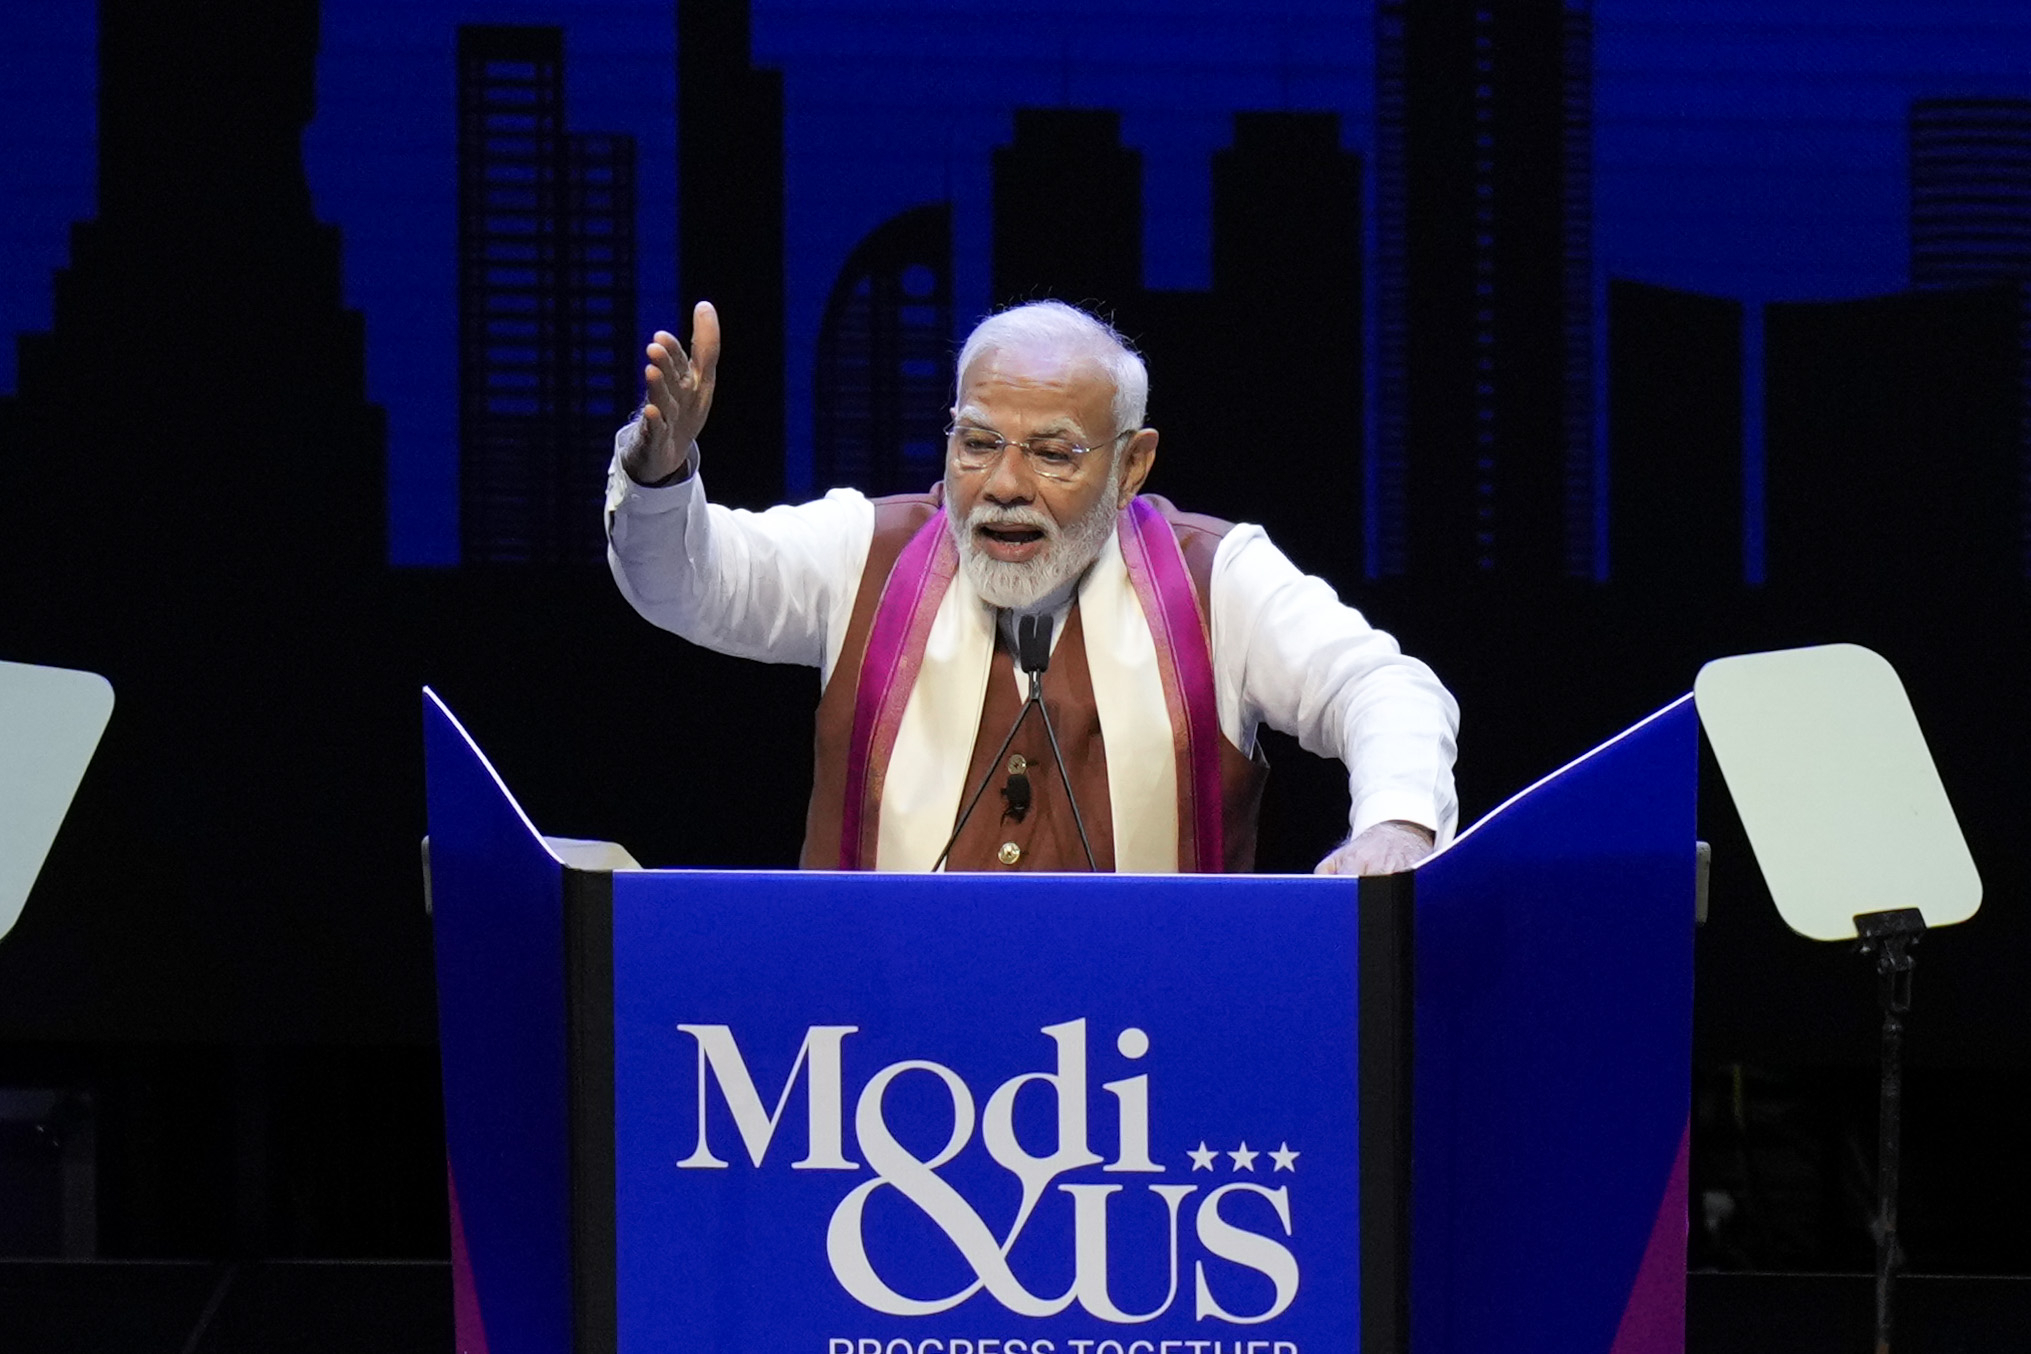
[(835, 1113), (1551, 1089), (1028, 1113)]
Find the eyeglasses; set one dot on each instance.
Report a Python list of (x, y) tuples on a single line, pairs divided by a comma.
[(1054, 458)]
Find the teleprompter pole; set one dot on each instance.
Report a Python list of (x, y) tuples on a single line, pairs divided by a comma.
[(1889, 936)]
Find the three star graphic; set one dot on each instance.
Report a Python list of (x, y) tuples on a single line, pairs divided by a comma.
[(1244, 1157)]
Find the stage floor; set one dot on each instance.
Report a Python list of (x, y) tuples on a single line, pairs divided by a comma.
[(404, 1307)]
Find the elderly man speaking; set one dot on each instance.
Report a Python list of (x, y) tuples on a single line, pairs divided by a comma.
[(1173, 637)]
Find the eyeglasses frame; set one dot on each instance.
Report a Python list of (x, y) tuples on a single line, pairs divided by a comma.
[(953, 429)]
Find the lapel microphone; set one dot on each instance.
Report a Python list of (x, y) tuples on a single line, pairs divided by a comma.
[(1033, 656), (1017, 793)]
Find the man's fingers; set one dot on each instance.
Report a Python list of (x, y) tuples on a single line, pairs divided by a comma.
[(661, 402), (640, 459), (1386, 848), (678, 358), (679, 385), (705, 341)]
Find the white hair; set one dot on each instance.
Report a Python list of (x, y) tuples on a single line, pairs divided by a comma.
[(1054, 327)]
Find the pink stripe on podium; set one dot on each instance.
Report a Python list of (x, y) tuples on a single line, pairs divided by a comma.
[(469, 1331), (1654, 1320)]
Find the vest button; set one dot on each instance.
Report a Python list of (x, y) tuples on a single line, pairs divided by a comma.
[(1010, 853)]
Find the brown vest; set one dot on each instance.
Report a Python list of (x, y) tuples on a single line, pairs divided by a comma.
[(1045, 838)]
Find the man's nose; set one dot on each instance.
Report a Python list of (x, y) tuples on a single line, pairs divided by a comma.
[(1009, 479)]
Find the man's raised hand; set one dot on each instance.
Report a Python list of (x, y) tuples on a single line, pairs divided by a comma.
[(679, 398)]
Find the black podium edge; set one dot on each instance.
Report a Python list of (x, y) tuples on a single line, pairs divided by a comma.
[(589, 1077), (1385, 976)]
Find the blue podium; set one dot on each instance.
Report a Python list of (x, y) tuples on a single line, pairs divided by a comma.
[(813, 1113)]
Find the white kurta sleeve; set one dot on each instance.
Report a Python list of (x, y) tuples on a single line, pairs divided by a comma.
[(1288, 653), (777, 586)]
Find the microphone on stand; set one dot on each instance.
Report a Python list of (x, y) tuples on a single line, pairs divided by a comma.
[(1033, 645), (1033, 651), (1033, 655)]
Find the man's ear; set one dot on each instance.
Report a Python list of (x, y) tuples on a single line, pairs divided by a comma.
[(1136, 463)]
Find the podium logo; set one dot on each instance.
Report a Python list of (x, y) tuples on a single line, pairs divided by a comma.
[(917, 1179)]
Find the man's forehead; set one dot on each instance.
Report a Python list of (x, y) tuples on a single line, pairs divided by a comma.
[(1074, 382), (1055, 419)]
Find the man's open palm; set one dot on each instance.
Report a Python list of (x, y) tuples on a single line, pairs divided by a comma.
[(679, 397)]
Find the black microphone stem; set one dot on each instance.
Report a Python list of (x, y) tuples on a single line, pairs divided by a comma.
[(1033, 649), (981, 789), (1037, 695)]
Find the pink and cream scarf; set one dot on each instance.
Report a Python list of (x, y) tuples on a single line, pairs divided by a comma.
[(924, 680)]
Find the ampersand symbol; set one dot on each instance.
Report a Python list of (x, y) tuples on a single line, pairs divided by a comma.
[(919, 1182)]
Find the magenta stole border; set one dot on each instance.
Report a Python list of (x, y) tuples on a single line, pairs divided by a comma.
[(895, 655)]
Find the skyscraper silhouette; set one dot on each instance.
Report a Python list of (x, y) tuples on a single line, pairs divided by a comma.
[(730, 237), (1287, 279), (546, 301), (207, 284), (1970, 191), (1263, 369), (204, 379), (1675, 439), (1068, 213), (1256, 386), (1485, 293), (1971, 223), (1194, 403), (884, 370), (1892, 450)]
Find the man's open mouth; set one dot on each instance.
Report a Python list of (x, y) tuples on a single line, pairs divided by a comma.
[(1011, 534)]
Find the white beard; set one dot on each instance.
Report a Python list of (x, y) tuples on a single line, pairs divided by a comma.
[(1062, 556)]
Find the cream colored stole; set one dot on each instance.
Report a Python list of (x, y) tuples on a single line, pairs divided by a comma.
[(941, 722)]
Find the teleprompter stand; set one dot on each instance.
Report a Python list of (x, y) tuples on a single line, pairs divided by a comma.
[(1849, 821), (1889, 938)]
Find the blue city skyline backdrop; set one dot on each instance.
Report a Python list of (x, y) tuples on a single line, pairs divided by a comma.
[(1492, 312), (1753, 151)]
